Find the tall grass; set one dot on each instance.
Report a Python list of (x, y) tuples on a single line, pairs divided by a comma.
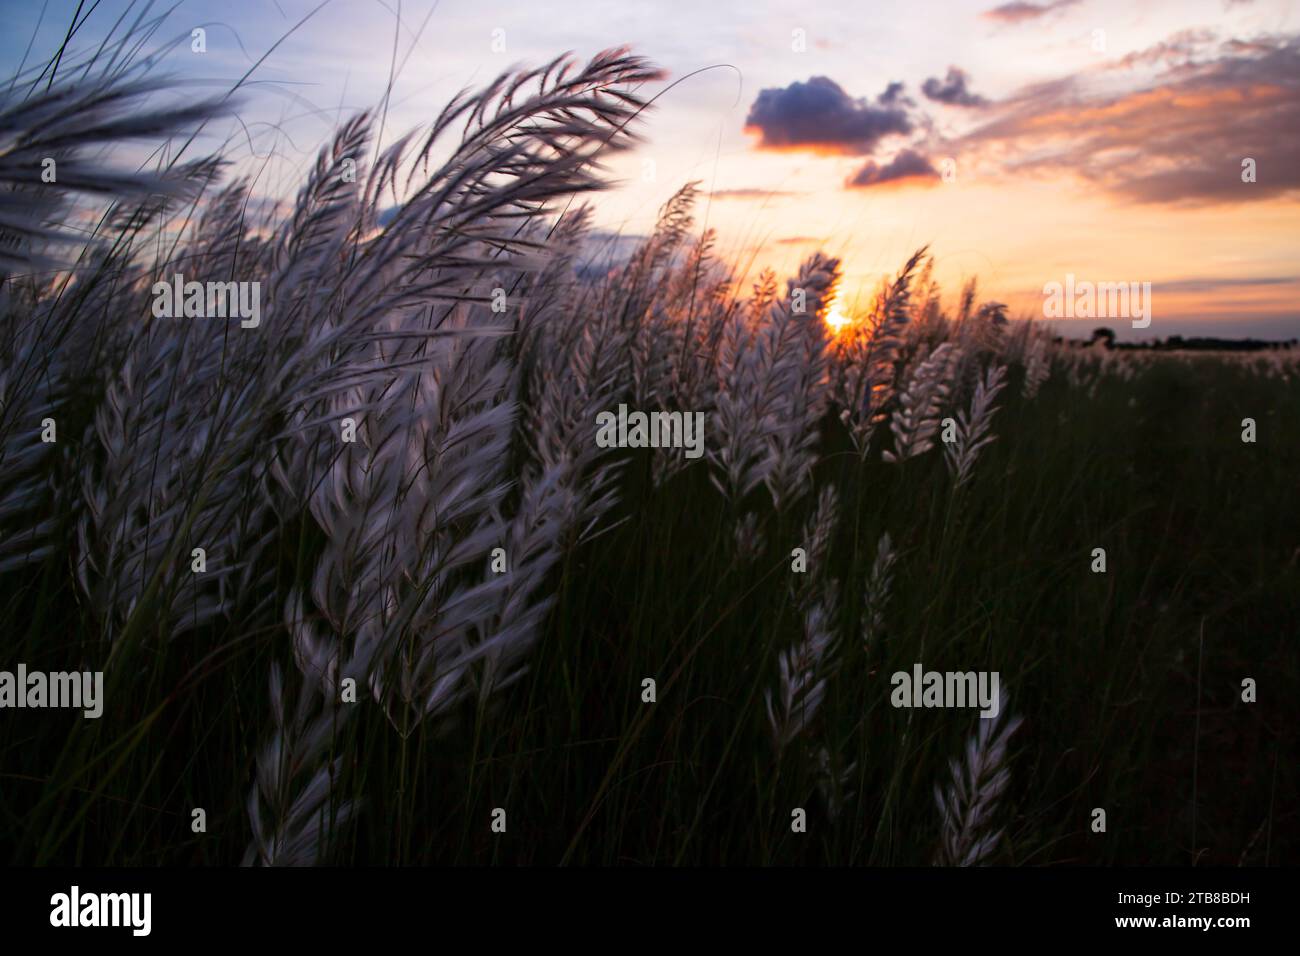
[(458, 609)]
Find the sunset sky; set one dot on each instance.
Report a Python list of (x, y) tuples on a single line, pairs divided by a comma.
[(1102, 139)]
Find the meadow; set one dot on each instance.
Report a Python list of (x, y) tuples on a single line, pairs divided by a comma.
[(360, 576)]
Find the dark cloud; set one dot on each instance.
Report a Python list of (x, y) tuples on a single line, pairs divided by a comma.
[(1019, 11), (894, 96), (819, 115), (1181, 138), (952, 90), (908, 164)]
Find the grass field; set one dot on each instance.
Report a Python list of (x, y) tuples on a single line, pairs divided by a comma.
[(1129, 681), (329, 561)]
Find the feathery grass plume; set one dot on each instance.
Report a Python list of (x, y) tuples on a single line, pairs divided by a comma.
[(643, 306), (967, 302), (700, 302), (968, 806), (467, 219), (979, 334), (804, 392), (863, 369), (674, 299), (1038, 366), (412, 510), (573, 380), (920, 404), (802, 674), (972, 431), (737, 455), (407, 511), (60, 124), (174, 466), (364, 335), (544, 297), (817, 539), (764, 294), (772, 384), (326, 225), (928, 324), (291, 806), (640, 321), (702, 293), (29, 395), (52, 322), (638, 285), (533, 541), (880, 583)]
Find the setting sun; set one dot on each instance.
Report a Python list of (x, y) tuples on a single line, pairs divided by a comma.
[(835, 317)]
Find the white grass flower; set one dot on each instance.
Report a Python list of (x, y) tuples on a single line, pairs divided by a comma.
[(969, 804), (972, 428), (920, 404), (292, 807), (773, 391), (802, 675), (819, 535), (1038, 366), (863, 370)]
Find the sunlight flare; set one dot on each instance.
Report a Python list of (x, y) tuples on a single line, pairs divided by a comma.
[(836, 320)]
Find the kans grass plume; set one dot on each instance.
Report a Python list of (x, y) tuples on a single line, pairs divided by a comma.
[(968, 806)]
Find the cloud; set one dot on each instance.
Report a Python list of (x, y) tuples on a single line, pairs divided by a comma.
[(952, 90), (1180, 138), (819, 116), (1178, 48), (1018, 11), (894, 96), (1213, 284), (908, 164), (749, 193)]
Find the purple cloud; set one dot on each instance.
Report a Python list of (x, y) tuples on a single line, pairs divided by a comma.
[(908, 164), (952, 90), (818, 115)]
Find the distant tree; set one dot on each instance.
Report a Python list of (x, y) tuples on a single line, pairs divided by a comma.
[(1105, 334)]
